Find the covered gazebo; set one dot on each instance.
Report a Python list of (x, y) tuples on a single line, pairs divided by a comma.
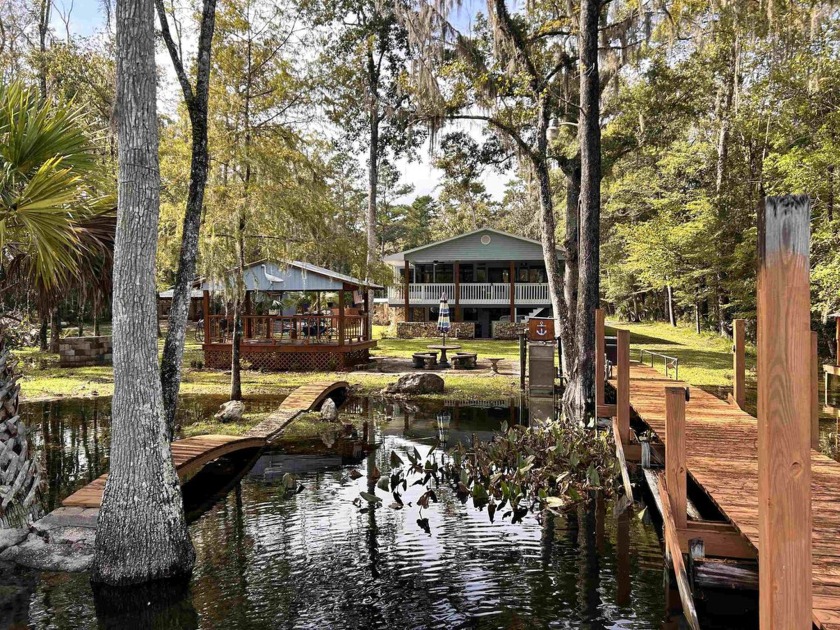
[(298, 316)]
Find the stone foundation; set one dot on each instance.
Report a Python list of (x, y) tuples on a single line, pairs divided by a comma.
[(508, 330), (416, 330), (85, 351)]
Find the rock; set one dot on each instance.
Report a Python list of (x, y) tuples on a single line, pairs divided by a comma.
[(36, 553), (11, 537), (329, 412), (231, 411), (417, 383)]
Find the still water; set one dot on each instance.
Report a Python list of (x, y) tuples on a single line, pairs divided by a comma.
[(315, 560)]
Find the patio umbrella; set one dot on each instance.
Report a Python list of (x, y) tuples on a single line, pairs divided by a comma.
[(443, 324)]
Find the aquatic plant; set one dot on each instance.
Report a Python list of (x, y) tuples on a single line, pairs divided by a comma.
[(550, 466)]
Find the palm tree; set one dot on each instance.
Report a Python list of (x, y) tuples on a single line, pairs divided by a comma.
[(52, 231), (20, 468), (47, 184)]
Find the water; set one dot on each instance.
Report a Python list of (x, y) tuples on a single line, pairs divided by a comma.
[(314, 560)]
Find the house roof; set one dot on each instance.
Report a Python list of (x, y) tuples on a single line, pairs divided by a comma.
[(473, 246), (295, 275)]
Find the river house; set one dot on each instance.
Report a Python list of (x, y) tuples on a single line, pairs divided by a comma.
[(494, 282), (298, 316)]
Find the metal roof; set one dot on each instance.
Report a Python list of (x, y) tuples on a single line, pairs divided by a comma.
[(296, 275), (448, 247)]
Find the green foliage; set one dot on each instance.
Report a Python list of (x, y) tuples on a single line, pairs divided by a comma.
[(47, 184), (549, 466)]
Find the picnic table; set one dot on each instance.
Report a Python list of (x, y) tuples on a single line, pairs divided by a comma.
[(443, 362)]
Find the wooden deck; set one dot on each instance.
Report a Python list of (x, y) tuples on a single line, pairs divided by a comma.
[(192, 454), (722, 457)]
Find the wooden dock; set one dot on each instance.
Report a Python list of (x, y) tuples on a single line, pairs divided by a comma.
[(192, 454), (722, 458)]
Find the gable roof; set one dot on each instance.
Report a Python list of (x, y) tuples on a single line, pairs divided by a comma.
[(297, 276), (470, 246)]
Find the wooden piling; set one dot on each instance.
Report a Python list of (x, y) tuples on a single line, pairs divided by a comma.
[(622, 401), (815, 392), (675, 467), (739, 365), (784, 403), (600, 359)]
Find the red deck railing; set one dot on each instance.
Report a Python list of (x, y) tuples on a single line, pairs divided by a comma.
[(291, 329)]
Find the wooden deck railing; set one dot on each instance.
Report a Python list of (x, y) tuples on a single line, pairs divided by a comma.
[(291, 329)]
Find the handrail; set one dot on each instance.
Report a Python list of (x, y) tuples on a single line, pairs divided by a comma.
[(669, 361), (291, 329)]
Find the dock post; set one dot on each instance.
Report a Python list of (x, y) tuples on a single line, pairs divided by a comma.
[(739, 365), (675, 467), (622, 400), (815, 392), (784, 427), (600, 358)]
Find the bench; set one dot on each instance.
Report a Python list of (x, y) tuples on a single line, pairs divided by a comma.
[(494, 364), (424, 359), (464, 360)]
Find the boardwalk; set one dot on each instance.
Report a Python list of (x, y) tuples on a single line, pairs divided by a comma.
[(192, 454), (722, 457)]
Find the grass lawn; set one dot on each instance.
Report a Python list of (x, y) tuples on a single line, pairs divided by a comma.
[(43, 379), (705, 359), (484, 348)]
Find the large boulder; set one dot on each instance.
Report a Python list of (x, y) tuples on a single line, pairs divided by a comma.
[(231, 411), (417, 383), (329, 412)]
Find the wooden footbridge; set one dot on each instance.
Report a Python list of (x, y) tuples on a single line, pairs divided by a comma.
[(192, 454)]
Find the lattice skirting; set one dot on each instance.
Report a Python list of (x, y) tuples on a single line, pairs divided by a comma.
[(279, 361)]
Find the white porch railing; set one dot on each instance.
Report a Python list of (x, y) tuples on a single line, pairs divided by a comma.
[(473, 293)]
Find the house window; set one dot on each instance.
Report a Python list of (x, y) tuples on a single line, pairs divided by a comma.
[(481, 272), (467, 273), (443, 273)]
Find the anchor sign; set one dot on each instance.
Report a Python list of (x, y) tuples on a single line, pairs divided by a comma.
[(541, 330)]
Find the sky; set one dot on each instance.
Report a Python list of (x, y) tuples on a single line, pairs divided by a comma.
[(87, 18)]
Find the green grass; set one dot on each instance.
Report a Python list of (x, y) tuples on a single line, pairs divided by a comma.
[(43, 379), (705, 360), (392, 347)]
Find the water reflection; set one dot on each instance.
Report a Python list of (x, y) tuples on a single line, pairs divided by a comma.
[(313, 559)]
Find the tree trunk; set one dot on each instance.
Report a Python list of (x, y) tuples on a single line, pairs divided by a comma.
[(42, 334), (96, 299), (571, 246), (669, 296), (20, 468), (173, 347), (829, 205), (141, 532), (373, 178), (236, 340), (55, 329), (548, 238), (579, 399), (43, 28)]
